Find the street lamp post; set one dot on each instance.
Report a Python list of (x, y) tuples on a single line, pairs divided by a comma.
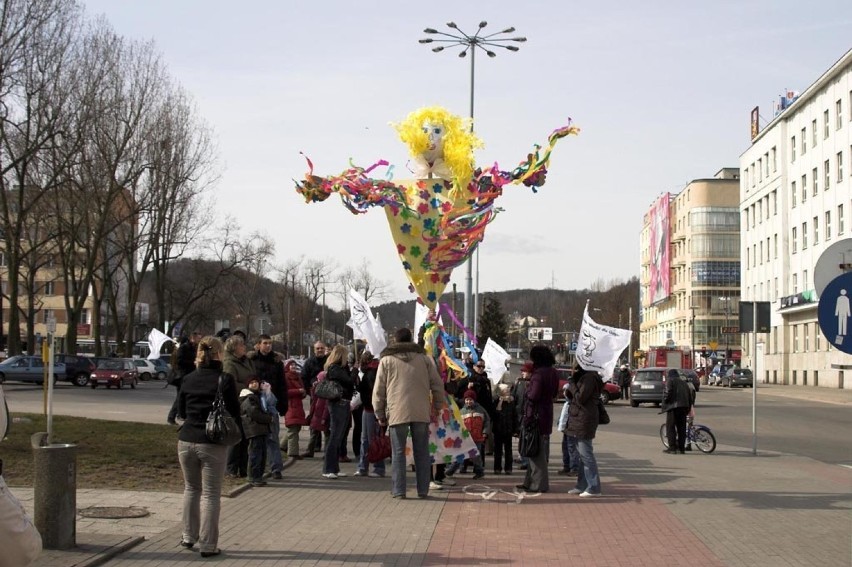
[(469, 43)]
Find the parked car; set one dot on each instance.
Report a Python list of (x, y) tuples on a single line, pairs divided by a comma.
[(23, 368), (145, 368), (692, 376), (163, 368), (648, 385), (78, 368), (738, 377), (611, 391), (115, 372)]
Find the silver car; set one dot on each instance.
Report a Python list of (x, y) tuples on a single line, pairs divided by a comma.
[(23, 368)]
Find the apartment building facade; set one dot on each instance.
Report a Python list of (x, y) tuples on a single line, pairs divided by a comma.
[(795, 201), (690, 271)]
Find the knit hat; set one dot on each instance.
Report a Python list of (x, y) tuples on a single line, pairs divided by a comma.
[(470, 394), (527, 367)]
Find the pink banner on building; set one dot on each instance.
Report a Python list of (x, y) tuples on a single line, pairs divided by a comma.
[(660, 266)]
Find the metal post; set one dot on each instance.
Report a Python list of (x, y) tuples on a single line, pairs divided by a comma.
[(754, 381), (692, 341), (630, 349), (468, 282)]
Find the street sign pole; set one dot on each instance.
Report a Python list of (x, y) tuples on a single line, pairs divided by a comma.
[(755, 374)]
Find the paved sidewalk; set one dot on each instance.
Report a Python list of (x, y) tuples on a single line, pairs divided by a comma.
[(727, 509)]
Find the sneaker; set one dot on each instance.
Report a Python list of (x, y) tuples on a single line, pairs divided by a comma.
[(448, 481), (563, 472), (435, 486), (258, 483), (588, 494), (360, 473), (341, 474), (399, 496), (376, 475), (277, 475), (575, 491), (186, 544), (572, 473), (329, 475), (478, 476)]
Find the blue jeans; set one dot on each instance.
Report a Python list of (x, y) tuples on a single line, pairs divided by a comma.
[(587, 476), (369, 426), (339, 413), (420, 447), (570, 456), (273, 445)]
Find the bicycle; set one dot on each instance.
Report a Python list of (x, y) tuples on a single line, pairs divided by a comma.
[(698, 434)]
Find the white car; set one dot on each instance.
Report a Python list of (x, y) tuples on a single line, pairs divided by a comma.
[(145, 368)]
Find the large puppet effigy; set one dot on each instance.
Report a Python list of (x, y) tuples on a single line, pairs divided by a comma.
[(437, 218)]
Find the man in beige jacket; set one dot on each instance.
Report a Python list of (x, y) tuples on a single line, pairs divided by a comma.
[(407, 393)]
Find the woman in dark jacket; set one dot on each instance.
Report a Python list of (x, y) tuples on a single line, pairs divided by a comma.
[(584, 389), (203, 462), (538, 405), (339, 410)]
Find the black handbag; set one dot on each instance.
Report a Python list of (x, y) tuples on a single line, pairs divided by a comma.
[(530, 444), (328, 390), (603, 416), (221, 427)]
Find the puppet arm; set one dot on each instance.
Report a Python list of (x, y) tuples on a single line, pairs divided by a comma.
[(357, 191)]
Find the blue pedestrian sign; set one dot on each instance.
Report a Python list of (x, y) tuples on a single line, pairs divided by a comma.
[(835, 312)]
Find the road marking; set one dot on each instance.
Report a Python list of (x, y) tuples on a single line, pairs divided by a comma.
[(489, 494), (847, 466)]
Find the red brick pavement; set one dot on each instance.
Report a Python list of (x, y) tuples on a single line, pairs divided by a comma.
[(554, 528)]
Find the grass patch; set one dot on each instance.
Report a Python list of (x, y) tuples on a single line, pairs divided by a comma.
[(117, 455)]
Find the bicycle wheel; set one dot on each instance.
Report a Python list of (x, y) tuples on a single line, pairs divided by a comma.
[(663, 437), (704, 439)]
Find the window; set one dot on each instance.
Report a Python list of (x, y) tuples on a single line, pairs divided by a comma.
[(795, 283), (766, 164), (775, 202), (753, 255), (840, 219), (840, 166), (795, 342), (748, 256), (776, 289), (825, 124), (48, 288), (816, 230), (813, 133), (838, 114), (828, 225), (793, 148), (48, 314), (804, 142), (793, 193), (775, 246), (805, 342), (804, 236), (793, 241), (774, 159), (761, 252), (815, 180), (760, 211), (827, 172), (766, 208), (752, 216)]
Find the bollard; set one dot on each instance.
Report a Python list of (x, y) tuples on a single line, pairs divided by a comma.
[(55, 492)]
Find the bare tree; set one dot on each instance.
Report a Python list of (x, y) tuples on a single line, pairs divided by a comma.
[(35, 41)]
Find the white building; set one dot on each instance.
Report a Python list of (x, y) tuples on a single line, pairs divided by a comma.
[(795, 201)]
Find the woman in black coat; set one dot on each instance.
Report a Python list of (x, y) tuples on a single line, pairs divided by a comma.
[(584, 389), (338, 410), (538, 406), (203, 462)]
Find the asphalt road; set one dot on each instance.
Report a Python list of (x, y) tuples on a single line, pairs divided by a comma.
[(808, 428)]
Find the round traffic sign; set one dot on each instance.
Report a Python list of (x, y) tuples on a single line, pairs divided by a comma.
[(835, 312), (831, 263)]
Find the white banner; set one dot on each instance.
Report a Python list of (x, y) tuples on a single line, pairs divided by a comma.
[(365, 326), (600, 346), (494, 356), (156, 340)]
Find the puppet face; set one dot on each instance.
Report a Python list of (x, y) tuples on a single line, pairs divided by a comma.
[(435, 133)]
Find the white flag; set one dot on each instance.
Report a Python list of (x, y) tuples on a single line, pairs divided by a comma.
[(365, 326), (156, 340), (494, 356), (600, 346)]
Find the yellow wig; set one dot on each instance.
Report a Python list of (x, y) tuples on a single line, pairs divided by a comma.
[(459, 141)]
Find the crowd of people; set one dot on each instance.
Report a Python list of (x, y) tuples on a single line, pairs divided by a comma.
[(400, 392)]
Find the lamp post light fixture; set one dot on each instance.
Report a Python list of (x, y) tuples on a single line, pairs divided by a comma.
[(470, 43)]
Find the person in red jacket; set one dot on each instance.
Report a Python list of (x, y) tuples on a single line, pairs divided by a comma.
[(295, 417), (319, 420)]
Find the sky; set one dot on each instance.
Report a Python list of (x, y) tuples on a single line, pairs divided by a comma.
[(662, 91)]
